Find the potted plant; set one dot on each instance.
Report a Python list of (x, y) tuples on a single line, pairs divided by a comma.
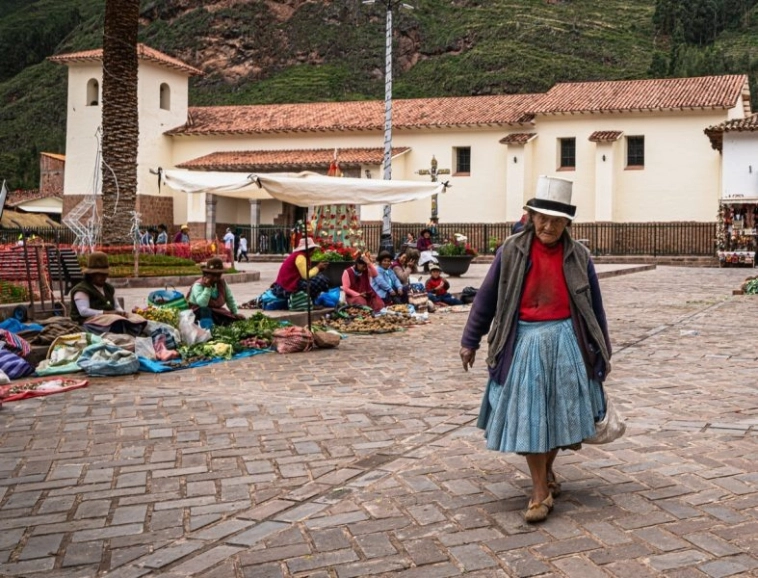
[(339, 257), (455, 256)]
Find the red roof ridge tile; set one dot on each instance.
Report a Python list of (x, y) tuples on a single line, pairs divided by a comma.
[(704, 92), (490, 110), (144, 52), (605, 135), (518, 138), (716, 132), (252, 160)]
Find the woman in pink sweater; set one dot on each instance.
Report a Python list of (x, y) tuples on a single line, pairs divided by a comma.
[(356, 283)]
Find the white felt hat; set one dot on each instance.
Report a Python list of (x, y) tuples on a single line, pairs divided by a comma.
[(553, 197)]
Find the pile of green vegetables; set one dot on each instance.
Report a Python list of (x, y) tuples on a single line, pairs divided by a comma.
[(258, 329), (256, 332)]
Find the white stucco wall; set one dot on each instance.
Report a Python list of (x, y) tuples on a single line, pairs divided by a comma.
[(82, 122), (740, 168), (155, 148), (680, 180), (233, 211), (479, 197)]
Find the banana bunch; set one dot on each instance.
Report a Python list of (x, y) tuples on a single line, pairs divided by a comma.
[(160, 314)]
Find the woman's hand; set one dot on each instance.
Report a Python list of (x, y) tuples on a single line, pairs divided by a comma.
[(322, 265), (467, 357)]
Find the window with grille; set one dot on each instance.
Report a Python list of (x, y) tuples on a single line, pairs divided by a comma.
[(568, 153), (635, 151), (463, 160)]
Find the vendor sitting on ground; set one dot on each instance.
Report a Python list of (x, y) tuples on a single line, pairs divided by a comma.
[(94, 304), (295, 270), (405, 266), (437, 287), (386, 284), (210, 296), (356, 283)]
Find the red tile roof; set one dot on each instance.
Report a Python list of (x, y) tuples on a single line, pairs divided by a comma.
[(143, 52), (704, 92), (21, 196), (605, 135), (518, 138), (56, 156), (266, 160), (716, 132), (359, 116)]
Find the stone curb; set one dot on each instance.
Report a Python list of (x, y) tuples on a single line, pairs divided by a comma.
[(180, 280)]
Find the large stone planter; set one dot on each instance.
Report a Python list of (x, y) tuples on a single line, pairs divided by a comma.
[(335, 270), (455, 266)]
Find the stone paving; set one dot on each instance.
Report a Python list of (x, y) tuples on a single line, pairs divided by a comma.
[(363, 461)]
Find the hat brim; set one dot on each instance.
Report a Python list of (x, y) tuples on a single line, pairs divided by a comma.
[(88, 270), (217, 271), (551, 208)]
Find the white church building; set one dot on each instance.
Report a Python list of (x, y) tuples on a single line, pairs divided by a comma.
[(635, 150)]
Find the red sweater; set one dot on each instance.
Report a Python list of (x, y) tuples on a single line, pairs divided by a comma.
[(545, 296)]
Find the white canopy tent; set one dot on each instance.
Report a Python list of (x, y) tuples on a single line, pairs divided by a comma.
[(302, 189)]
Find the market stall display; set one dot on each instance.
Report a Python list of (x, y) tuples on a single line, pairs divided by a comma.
[(737, 232), (358, 319)]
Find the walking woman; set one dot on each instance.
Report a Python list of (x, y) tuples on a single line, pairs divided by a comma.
[(549, 349)]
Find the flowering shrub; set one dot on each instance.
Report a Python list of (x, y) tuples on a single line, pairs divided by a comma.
[(457, 247), (335, 252)]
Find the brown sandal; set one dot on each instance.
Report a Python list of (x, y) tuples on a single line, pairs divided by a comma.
[(538, 512)]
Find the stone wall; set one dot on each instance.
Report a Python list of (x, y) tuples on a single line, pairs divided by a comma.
[(156, 210), (70, 201), (51, 175)]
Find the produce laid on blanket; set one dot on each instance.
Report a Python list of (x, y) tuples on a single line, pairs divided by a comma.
[(38, 388), (256, 332), (359, 319), (165, 315)]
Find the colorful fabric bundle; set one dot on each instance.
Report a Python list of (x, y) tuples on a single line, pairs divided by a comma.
[(14, 366), (169, 298), (14, 343)]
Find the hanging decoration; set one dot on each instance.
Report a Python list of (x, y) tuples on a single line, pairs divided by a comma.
[(337, 225)]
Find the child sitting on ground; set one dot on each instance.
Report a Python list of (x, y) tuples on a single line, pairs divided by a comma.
[(437, 287)]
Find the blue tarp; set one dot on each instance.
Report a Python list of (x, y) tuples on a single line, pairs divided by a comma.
[(14, 326), (151, 366)]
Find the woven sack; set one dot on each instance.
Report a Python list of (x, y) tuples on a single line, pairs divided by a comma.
[(293, 339), (611, 427), (326, 339)]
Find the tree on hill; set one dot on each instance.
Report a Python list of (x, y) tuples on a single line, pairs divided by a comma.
[(120, 119)]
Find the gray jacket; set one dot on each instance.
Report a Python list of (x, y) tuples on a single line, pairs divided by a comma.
[(497, 303)]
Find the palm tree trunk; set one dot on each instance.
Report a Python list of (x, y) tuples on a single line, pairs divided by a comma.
[(120, 119)]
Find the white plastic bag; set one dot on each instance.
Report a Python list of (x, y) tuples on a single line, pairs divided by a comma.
[(144, 348), (192, 333)]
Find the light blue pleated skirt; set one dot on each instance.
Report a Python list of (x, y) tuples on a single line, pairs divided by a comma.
[(548, 401)]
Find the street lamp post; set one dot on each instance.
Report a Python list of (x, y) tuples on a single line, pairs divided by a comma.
[(385, 243)]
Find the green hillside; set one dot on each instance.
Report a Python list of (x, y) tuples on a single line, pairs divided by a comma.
[(295, 51)]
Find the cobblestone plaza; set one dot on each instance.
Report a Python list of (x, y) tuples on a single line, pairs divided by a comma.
[(364, 460)]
